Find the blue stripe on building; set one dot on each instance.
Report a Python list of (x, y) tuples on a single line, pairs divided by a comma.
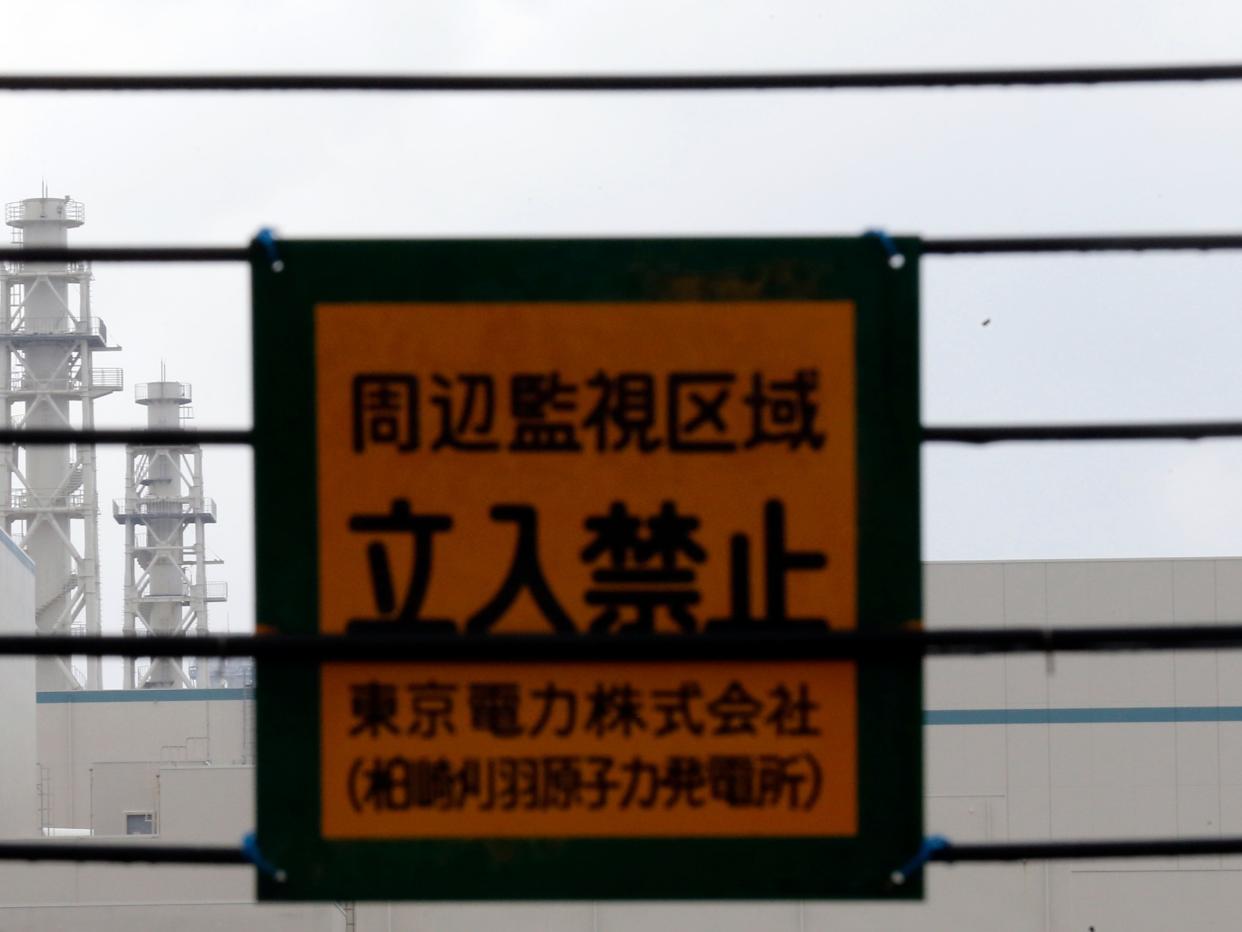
[(142, 695), (1083, 716), (1073, 716)]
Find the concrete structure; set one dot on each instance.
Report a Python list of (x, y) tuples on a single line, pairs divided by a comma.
[(166, 590), (175, 766), (48, 379), (1084, 746), (106, 752), (19, 774), (1018, 747)]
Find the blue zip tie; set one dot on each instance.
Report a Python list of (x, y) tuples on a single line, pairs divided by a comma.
[(895, 259), (931, 844), (250, 848), (266, 238)]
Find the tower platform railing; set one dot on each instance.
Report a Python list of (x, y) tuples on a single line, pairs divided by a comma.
[(102, 379), (150, 507), (26, 500), (18, 267), (184, 592), (148, 391), (66, 209), (55, 327)]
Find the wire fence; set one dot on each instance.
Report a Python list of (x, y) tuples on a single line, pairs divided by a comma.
[(87, 851), (896, 646), (864, 645), (613, 83)]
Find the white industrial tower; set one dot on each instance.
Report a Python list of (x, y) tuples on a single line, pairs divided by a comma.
[(166, 587), (48, 337)]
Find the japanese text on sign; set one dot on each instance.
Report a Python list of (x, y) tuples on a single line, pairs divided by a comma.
[(635, 571), (454, 749), (563, 469), (690, 412)]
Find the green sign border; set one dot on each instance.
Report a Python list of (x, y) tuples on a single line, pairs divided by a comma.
[(890, 572)]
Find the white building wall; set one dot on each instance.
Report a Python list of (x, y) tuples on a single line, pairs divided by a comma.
[(80, 730), (119, 789), (183, 755), (1017, 748), (1092, 745), (19, 776), (143, 898), (205, 805)]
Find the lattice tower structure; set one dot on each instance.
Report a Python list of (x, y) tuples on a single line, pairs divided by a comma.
[(48, 379), (165, 514)]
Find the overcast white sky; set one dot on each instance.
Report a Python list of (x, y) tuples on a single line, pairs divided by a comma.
[(1117, 337)]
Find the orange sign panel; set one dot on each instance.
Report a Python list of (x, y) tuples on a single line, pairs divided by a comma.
[(560, 469)]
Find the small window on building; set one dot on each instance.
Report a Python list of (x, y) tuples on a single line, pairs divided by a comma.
[(139, 823)]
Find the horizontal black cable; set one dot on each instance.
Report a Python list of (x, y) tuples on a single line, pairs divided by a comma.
[(976, 434), (1187, 430), (139, 436), (979, 245), (88, 851), (137, 853), (829, 645), (1063, 850), (982, 245), (757, 81), (125, 254)]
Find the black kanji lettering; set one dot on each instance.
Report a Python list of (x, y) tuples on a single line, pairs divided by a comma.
[(550, 696), (495, 708), (467, 781), (735, 711), (431, 783), (561, 779), (731, 779), (507, 788), (778, 562), (696, 403), (784, 412), (374, 705), (524, 573), (466, 423), (380, 782), (644, 572), (527, 769), (675, 706), (640, 771), (400, 520), (535, 399), (615, 708), (627, 402), (432, 706), (791, 715), (487, 790), (779, 782), (684, 780), (385, 411), (599, 783)]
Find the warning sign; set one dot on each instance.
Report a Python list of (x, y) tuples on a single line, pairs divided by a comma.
[(553, 458), (559, 469)]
